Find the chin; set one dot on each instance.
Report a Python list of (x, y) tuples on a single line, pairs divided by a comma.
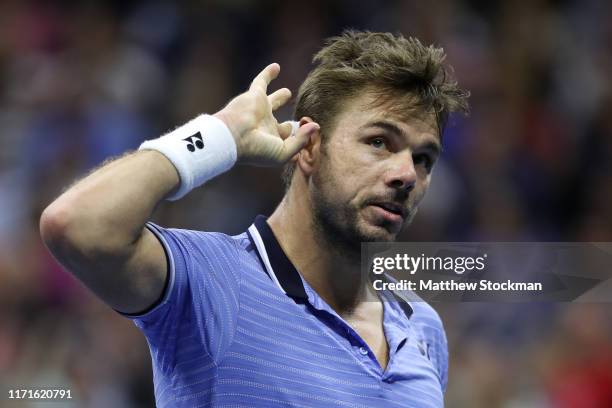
[(375, 233)]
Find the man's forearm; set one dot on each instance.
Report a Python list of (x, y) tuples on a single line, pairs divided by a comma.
[(107, 210)]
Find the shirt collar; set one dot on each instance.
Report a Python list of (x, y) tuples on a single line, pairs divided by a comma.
[(280, 269)]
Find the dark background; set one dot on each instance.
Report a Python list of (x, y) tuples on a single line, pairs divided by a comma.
[(84, 81)]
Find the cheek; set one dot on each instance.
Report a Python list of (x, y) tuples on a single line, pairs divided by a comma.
[(339, 183), (329, 178), (421, 189), (347, 170)]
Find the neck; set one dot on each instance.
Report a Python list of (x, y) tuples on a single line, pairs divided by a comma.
[(334, 273)]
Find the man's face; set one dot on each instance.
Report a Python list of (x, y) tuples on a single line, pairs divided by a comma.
[(374, 169)]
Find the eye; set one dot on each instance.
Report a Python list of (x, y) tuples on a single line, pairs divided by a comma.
[(378, 142), (423, 160)]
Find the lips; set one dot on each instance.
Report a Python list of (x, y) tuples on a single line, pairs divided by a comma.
[(392, 207)]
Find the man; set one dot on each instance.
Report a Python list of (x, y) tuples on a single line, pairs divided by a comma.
[(279, 315)]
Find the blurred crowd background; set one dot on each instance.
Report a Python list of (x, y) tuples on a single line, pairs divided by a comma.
[(84, 81)]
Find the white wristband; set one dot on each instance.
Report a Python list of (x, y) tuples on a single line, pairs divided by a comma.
[(200, 150)]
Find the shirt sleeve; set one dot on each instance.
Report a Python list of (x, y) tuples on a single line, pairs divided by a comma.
[(201, 296)]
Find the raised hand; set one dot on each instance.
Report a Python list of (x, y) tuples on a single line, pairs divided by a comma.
[(260, 139)]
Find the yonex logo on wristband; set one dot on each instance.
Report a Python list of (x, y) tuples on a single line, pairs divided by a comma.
[(194, 141), (196, 160)]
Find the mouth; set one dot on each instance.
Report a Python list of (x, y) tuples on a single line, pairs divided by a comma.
[(391, 210)]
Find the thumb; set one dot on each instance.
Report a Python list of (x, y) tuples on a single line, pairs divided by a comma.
[(294, 144), (286, 129)]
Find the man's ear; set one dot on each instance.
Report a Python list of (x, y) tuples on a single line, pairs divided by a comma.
[(307, 158)]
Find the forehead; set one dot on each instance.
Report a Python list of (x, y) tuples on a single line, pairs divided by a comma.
[(363, 111)]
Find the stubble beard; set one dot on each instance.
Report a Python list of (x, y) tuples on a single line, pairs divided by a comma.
[(338, 224)]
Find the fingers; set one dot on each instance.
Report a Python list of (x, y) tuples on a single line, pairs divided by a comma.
[(294, 144), (279, 98), (263, 79)]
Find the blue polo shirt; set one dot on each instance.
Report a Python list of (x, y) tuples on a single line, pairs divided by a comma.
[(237, 326)]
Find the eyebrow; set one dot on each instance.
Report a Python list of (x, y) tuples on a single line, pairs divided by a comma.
[(391, 127)]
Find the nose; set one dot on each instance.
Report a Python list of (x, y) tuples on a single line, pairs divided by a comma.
[(401, 174)]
